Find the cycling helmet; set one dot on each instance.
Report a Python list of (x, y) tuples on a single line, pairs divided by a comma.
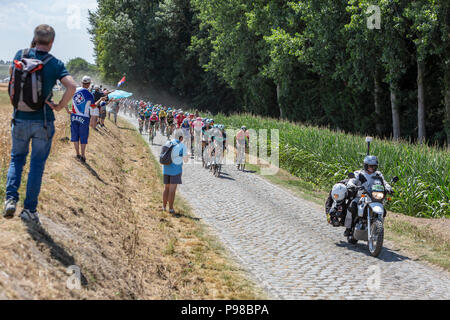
[(244, 128), (370, 161), (102, 104), (199, 119)]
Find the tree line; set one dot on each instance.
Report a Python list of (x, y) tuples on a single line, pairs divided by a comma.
[(317, 61)]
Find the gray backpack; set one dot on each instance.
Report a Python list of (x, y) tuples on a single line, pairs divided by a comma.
[(165, 158), (26, 85)]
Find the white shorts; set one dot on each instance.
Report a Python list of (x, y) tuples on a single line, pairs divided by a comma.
[(186, 133), (94, 111)]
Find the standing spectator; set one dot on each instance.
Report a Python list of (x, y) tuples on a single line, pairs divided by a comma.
[(93, 109), (103, 106), (35, 126), (95, 113), (173, 172), (114, 109), (102, 110), (82, 103)]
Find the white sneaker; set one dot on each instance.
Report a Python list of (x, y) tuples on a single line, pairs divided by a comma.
[(29, 216), (10, 208)]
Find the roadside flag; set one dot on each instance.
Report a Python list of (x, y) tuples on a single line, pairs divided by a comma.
[(121, 82)]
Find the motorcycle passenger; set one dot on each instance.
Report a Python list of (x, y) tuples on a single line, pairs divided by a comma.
[(363, 178), (331, 216)]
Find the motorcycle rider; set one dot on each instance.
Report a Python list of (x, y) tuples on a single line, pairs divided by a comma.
[(362, 178)]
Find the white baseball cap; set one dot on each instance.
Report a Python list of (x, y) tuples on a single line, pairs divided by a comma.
[(86, 79)]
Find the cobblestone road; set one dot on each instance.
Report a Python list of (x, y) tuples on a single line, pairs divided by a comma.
[(286, 245)]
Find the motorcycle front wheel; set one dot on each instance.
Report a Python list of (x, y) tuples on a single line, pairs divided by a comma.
[(377, 236)]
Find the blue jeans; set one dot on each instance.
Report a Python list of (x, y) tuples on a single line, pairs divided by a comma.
[(24, 131)]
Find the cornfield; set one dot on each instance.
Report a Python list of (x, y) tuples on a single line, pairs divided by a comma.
[(322, 157)]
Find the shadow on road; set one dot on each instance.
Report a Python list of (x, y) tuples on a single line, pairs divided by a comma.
[(226, 178), (386, 254)]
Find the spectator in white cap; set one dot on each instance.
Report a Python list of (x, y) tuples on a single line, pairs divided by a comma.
[(82, 104)]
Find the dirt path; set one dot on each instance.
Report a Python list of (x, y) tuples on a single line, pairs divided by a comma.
[(285, 244)]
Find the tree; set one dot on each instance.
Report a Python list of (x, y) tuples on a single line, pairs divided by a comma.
[(79, 67)]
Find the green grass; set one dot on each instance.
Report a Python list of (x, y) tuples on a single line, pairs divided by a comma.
[(321, 157)]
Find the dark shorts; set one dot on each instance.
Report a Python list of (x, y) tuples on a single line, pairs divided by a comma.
[(172, 179), (79, 128), (103, 113)]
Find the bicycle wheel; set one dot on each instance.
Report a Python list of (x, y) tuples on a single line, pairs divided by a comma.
[(150, 135)]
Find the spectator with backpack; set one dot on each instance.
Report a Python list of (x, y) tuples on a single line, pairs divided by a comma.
[(34, 72), (172, 155)]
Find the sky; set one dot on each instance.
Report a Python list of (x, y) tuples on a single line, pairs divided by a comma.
[(69, 18)]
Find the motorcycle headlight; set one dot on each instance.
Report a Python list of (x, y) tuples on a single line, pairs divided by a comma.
[(378, 195)]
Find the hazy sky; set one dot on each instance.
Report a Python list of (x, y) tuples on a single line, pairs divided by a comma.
[(68, 17)]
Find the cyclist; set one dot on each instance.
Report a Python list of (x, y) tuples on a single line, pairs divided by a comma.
[(206, 138), (170, 120), (197, 126), (217, 144), (141, 118), (186, 129), (180, 118), (241, 140), (162, 120), (153, 121), (147, 115)]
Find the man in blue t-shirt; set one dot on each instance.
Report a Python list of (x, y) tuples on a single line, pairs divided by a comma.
[(172, 173), (31, 126)]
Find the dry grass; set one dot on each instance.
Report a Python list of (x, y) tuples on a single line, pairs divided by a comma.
[(106, 219)]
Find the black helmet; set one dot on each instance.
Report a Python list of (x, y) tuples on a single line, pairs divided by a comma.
[(370, 161)]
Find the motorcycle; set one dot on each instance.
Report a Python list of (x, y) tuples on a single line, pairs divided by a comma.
[(369, 222)]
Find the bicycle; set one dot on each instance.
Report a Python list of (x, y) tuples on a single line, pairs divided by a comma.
[(241, 158), (146, 123), (217, 157), (205, 156), (152, 133), (141, 125), (169, 130), (198, 146), (162, 126)]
